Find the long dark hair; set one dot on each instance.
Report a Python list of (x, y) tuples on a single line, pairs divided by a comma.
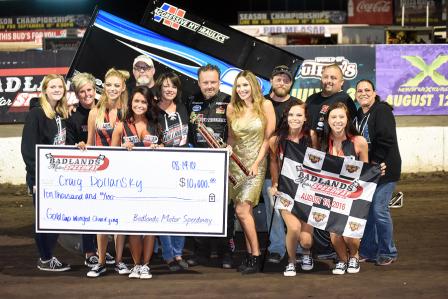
[(283, 129), (349, 129), (153, 109), (176, 82)]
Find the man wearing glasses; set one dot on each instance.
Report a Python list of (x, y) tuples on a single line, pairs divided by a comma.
[(143, 71)]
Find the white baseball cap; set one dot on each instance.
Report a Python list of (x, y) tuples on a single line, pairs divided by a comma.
[(145, 59)]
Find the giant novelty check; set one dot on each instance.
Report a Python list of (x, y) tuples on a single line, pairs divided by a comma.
[(167, 191)]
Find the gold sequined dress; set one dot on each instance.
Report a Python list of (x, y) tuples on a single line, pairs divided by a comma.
[(248, 134)]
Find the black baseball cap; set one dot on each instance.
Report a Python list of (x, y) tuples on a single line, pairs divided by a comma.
[(281, 69)]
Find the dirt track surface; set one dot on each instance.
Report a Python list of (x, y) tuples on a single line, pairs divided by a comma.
[(421, 272)]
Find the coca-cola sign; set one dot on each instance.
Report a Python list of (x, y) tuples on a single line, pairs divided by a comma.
[(373, 12), (373, 6)]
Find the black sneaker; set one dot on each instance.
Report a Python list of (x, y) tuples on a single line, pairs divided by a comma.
[(353, 265), (274, 258), (174, 266), (53, 265), (97, 270), (340, 268), (244, 262), (385, 261), (193, 261), (253, 266), (122, 269), (290, 270), (307, 262), (183, 264), (91, 261), (227, 261), (110, 260)]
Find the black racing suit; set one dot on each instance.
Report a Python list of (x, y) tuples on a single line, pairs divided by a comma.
[(212, 113)]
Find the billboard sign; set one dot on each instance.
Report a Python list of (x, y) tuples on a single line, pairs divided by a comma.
[(413, 79)]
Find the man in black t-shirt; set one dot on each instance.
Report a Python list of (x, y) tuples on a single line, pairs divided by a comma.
[(318, 103)]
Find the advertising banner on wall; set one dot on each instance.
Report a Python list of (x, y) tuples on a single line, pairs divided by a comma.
[(20, 77), (356, 62), (292, 17), (31, 35), (44, 22), (372, 12), (413, 78)]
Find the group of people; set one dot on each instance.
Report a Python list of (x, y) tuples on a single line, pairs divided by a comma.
[(329, 121), (255, 128)]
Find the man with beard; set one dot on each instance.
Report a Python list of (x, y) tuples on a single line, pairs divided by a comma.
[(331, 81), (210, 106), (143, 71), (281, 82)]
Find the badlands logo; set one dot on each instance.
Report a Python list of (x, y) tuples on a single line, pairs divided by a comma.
[(314, 159), (318, 217), (331, 186), (354, 226), (174, 17), (286, 203), (351, 168), (313, 68), (78, 163)]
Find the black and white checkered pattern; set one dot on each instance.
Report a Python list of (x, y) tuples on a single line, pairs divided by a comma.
[(328, 192)]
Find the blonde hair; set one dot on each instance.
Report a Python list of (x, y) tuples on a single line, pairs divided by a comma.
[(122, 101), (81, 79), (239, 105), (61, 105)]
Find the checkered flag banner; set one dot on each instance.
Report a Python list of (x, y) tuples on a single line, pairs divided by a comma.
[(328, 192)]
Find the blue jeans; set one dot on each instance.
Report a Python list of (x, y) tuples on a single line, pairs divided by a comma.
[(45, 242), (377, 240), (172, 246), (277, 236)]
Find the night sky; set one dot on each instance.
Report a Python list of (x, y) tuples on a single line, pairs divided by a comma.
[(224, 12)]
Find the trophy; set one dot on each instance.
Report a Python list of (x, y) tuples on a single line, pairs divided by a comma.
[(215, 142)]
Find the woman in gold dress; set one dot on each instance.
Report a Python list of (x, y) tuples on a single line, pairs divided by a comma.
[(251, 121)]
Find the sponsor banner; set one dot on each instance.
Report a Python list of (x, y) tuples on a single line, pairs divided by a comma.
[(44, 22), (292, 17), (262, 30), (356, 62), (222, 42), (31, 35), (102, 191), (20, 77), (328, 192), (420, 87), (373, 12), (415, 12)]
